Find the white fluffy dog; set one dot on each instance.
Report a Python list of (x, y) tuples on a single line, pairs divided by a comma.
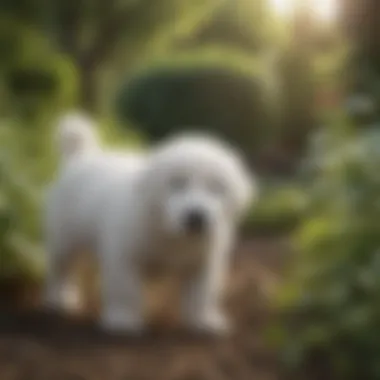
[(177, 205)]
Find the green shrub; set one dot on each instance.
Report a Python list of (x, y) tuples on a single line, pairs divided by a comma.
[(332, 295), (37, 86), (35, 76), (279, 209), (216, 97), (24, 167)]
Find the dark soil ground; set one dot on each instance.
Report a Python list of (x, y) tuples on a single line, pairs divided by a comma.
[(38, 346)]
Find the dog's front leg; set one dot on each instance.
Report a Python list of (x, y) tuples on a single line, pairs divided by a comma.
[(202, 300), (121, 289)]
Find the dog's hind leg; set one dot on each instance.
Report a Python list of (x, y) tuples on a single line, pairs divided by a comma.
[(58, 290)]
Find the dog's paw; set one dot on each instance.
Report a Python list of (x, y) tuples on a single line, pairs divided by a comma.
[(121, 322), (213, 322), (64, 298)]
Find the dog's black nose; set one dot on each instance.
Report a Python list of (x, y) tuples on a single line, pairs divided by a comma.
[(195, 221)]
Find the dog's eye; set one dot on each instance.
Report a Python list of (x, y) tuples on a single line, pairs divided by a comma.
[(217, 187), (178, 183)]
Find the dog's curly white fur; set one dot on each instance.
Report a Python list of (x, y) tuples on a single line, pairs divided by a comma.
[(184, 197)]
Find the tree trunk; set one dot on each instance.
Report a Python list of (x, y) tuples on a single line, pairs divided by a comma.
[(88, 87)]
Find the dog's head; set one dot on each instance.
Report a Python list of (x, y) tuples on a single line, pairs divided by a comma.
[(194, 183)]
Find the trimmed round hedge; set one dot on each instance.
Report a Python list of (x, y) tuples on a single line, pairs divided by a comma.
[(222, 100)]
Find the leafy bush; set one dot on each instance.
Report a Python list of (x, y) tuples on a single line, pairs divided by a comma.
[(36, 77), (280, 209), (215, 96), (37, 86), (332, 297), (21, 184)]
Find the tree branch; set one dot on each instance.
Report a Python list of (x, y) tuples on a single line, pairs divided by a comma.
[(69, 21)]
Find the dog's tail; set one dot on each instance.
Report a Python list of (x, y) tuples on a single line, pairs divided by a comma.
[(75, 135)]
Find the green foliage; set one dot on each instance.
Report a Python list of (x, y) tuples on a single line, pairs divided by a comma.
[(238, 24), (280, 209), (332, 295), (119, 136), (36, 86), (34, 76), (22, 174), (225, 98), (95, 35)]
